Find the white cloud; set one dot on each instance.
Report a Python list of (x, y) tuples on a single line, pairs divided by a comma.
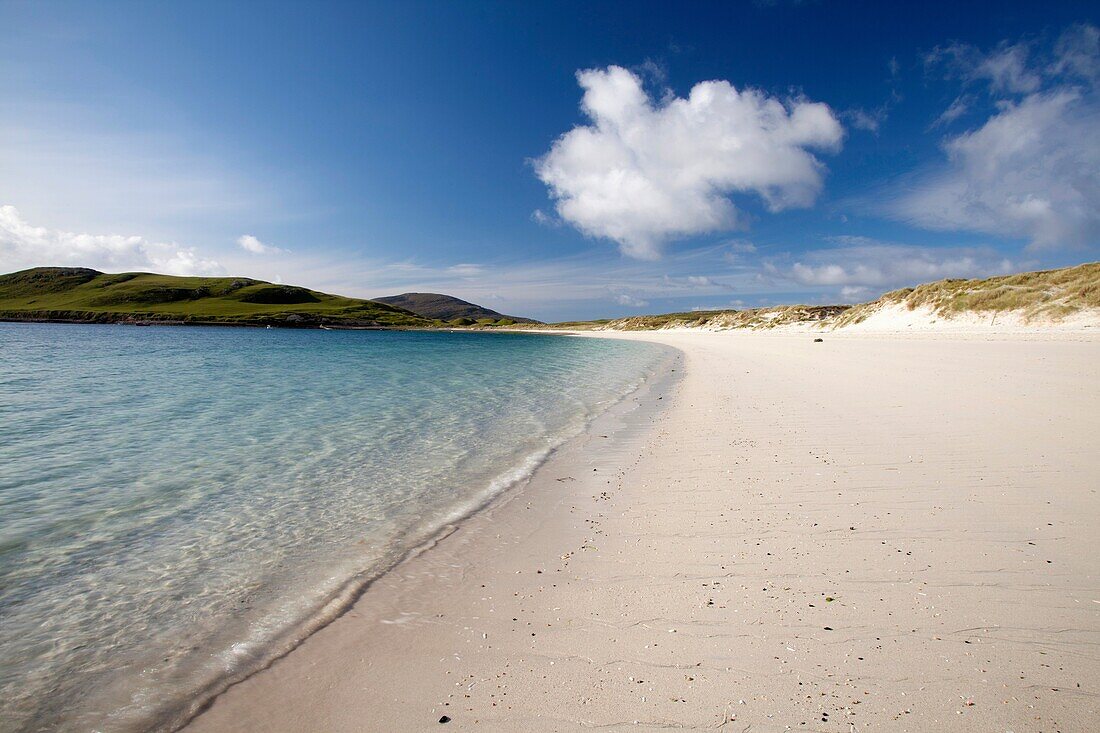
[(957, 109), (1005, 69), (23, 245), (541, 218), (675, 283), (646, 172), (1032, 169), (1077, 52), (861, 263), (466, 270), (629, 300), (854, 292), (738, 248), (255, 246), (863, 120)]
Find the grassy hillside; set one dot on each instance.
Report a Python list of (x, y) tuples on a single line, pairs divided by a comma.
[(84, 295), (436, 306)]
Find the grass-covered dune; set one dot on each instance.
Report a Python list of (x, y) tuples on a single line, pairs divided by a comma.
[(1049, 295), (77, 294), (747, 318), (1046, 297)]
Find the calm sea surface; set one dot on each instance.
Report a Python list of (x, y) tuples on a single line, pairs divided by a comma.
[(176, 504)]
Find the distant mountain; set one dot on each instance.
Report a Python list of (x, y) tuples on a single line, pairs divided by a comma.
[(446, 308), (78, 294)]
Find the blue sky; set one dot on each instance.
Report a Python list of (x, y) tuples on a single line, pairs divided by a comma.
[(557, 160)]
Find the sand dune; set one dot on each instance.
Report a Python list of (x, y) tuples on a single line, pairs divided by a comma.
[(868, 533)]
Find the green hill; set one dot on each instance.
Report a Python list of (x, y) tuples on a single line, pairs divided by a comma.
[(77, 294)]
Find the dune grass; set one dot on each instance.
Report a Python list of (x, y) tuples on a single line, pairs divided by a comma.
[(715, 319), (1045, 294)]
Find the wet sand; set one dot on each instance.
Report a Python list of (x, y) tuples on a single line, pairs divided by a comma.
[(870, 533)]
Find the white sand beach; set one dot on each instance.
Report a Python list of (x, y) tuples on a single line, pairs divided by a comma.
[(874, 532)]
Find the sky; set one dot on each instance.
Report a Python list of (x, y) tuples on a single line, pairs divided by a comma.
[(559, 160)]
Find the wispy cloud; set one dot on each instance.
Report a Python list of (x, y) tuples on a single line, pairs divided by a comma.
[(869, 120), (855, 292), (466, 269), (646, 172), (1004, 69), (541, 218), (954, 111), (862, 265), (1032, 169), (623, 298)]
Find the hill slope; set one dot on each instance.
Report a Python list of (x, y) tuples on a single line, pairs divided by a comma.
[(445, 307), (84, 295)]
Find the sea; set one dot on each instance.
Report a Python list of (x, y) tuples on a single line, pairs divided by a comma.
[(179, 505)]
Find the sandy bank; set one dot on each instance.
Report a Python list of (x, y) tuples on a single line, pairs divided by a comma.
[(869, 533)]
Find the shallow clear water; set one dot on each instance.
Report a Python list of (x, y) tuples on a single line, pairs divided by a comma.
[(176, 504)]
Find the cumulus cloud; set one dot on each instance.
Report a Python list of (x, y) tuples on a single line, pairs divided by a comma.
[(860, 264), (23, 245), (251, 244), (645, 172), (1032, 169)]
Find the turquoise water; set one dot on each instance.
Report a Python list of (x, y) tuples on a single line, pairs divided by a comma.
[(177, 504)]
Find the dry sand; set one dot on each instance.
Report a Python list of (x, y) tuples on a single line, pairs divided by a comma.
[(869, 533)]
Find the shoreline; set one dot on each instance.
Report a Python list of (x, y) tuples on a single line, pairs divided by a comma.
[(179, 716), (726, 491)]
